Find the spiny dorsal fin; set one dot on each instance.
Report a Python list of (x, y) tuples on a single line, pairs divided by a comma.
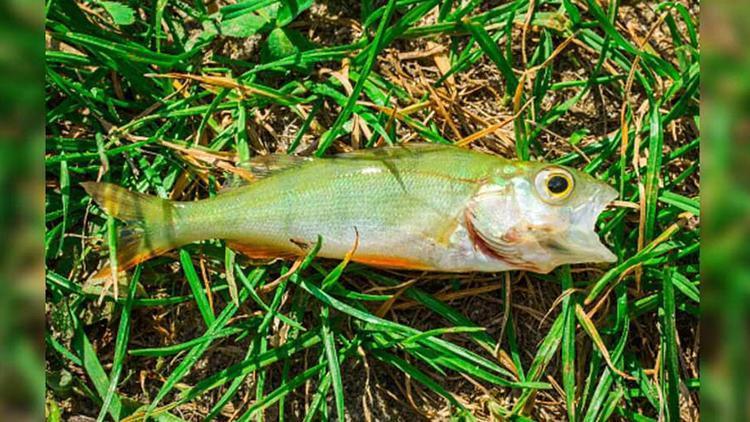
[(394, 151), (265, 165), (262, 166)]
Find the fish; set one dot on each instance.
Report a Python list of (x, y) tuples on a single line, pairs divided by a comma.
[(415, 206)]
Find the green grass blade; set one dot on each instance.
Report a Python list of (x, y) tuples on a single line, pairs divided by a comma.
[(653, 171), (201, 299), (670, 380), (95, 371), (568, 347), (542, 358), (334, 367), (121, 345)]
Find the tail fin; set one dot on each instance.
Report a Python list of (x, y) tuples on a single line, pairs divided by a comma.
[(150, 230)]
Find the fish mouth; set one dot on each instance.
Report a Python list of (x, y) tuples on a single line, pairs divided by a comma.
[(581, 239)]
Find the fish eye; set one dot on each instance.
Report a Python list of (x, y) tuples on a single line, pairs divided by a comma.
[(557, 184), (554, 184)]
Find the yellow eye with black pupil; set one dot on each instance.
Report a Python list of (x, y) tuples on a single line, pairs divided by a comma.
[(554, 184), (557, 184)]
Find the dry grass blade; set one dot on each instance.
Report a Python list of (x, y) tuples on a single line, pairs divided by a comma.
[(590, 329)]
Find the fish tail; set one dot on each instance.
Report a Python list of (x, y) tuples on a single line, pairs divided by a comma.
[(150, 228)]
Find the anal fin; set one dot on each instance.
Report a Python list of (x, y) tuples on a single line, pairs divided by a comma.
[(390, 262), (261, 252)]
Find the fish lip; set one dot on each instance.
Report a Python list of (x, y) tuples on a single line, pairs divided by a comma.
[(582, 238), (595, 250), (605, 197), (589, 212)]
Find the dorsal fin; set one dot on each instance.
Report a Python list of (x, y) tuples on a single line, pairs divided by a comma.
[(262, 166), (394, 151)]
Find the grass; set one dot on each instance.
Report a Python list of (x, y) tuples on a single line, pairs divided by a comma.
[(166, 97)]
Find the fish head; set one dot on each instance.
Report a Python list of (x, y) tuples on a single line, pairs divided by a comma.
[(537, 216)]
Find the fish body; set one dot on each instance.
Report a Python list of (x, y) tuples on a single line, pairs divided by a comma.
[(421, 207)]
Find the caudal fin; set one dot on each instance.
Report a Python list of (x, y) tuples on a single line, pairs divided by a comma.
[(150, 228)]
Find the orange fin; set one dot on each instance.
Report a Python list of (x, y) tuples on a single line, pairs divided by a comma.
[(390, 262), (261, 252), (132, 249), (150, 228)]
